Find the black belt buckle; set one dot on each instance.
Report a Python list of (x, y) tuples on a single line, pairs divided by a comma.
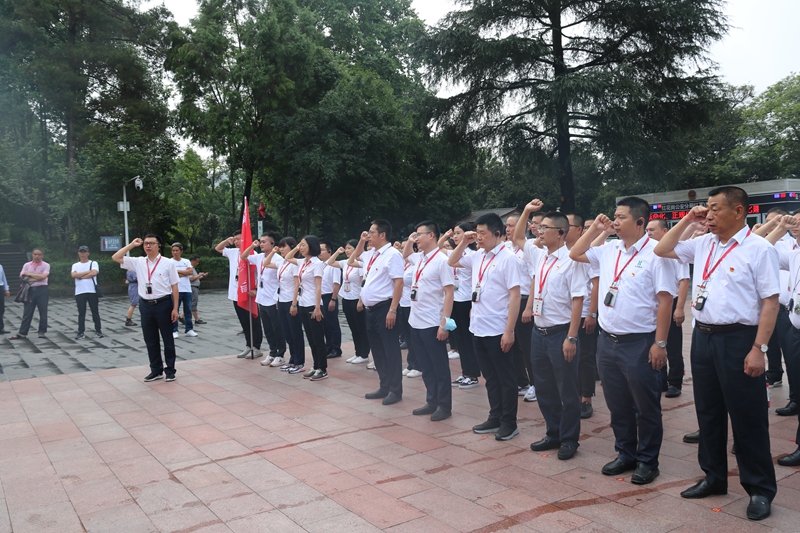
[(613, 337)]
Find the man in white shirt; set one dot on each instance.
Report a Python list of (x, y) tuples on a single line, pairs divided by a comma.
[(431, 304), (84, 272), (636, 291), (233, 290), (524, 326), (735, 305), (780, 342), (158, 302), (382, 287), (495, 308), (185, 272)]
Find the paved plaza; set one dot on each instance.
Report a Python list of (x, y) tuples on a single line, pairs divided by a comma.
[(231, 446)]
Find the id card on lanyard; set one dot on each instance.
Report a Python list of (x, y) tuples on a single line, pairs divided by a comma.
[(611, 295), (476, 294), (149, 285), (346, 282), (538, 301), (702, 295)]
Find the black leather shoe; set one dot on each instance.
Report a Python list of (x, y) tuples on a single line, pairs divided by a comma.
[(545, 444), (702, 489), (759, 507), (490, 426), (506, 433), (566, 452), (440, 414), (391, 398), (377, 395), (793, 459), (427, 409), (617, 467), (692, 438), (644, 474), (789, 410), (586, 410), (672, 392)]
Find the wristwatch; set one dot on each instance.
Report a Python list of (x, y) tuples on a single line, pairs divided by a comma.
[(593, 315), (661, 344), (763, 347), (573, 340)]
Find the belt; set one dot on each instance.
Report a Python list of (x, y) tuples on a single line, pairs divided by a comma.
[(377, 305), (157, 300), (724, 328), (630, 337), (552, 330)]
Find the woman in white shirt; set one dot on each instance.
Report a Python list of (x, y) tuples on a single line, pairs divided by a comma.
[(353, 310), (291, 324)]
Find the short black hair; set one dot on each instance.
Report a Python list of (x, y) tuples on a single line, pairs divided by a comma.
[(194, 258), (638, 208), (577, 218), (313, 245), (177, 245), (493, 223), (154, 236), (269, 234), (733, 196), (237, 232), (291, 242), (778, 211), (661, 223), (431, 226), (537, 214), (560, 219), (328, 246), (383, 227)]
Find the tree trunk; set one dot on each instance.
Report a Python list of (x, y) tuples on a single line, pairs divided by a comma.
[(565, 178)]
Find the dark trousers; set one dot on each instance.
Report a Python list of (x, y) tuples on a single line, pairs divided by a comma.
[(82, 300), (385, 345), (405, 333), (672, 373), (40, 296), (315, 332), (155, 320), (587, 366), (333, 331), (432, 361), (185, 300), (292, 328), (501, 383), (779, 342), (466, 348), (272, 329), (556, 383), (357, 321), (2, 308), (631, 386), (244, 319), (522, 348), (722, 389), (793, 370)]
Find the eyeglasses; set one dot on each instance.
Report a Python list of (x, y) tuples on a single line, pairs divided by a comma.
[(424, 232), (542, 227), (148, 243), (575, 226)]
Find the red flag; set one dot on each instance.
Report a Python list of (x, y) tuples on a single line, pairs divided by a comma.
[(247, 271), (262, 211)]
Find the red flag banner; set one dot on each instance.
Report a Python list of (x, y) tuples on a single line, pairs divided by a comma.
[(247, 272)]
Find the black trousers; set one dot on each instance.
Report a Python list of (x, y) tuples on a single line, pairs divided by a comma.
[(432, 361), (722, 389), (82, 300), (501, 383), (556, 382), (357, 321), (466, 348), (522, 348), (271, 325), (156, 320), (779, 343), (315, 333), (632, 389), (333, 331), (587, 366), (385, 345), (672, 373), (403, 313), (40, 296), (292, 327), (244, 319), (793, 370)]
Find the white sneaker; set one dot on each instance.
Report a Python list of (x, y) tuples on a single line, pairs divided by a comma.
[(359, 360), (530, 396), (458, 381), (452, 354), (278, 361), (522, 391), (406, 371), (267, 360), (371, 365), (414, 374), (257, 354), (174, 334), (352, 359), (191, 333)]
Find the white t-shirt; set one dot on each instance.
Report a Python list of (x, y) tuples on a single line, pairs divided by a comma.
[(85, 286), (430, 274), (351, 281), (308, 271), (233, 255), (184, 285), (286, 274), (266, 282)]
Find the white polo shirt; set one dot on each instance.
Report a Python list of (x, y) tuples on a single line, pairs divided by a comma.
[(561, 279), (525, 269), (351, 281), (286, 273), (381, 268), (233, 255), (462, 279), (786, 243), (591, 273), (184, 285), (161, 273), (330, 275), (499, 272), (308, 271), (747, 274), (789, 263), (405, 296), (640, 282), (430, 273), (266, 281), (85, 286)]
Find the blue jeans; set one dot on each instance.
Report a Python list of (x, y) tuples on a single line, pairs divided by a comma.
[(185, 299)]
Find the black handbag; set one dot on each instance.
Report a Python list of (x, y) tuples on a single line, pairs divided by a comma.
[(98, 290)]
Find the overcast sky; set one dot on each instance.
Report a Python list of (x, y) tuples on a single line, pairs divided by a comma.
[(762, 46)]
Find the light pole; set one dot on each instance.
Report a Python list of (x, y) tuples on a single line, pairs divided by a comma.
[(139, 185)]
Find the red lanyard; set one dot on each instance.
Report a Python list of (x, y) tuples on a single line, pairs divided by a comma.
[(481, 270), (543, 275), (707, 273), (150, 272), (283, 269), (302, 268), (347, 272), (374, 257), (616, 266), (419, 270)]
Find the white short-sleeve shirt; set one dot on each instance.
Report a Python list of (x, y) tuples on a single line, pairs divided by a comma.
[(498, 272), (525, 268), (85, 286), (233, 255), (381, 268), (789, 263), (330, 275), (429, 274), (266, 281), (184, 285), (161, 274), (351, 281), (786, 243), (286, 272), (462, 279), (559, 279), (308, 271)]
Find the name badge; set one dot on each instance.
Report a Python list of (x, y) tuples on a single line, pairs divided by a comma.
[(414, 293), (346, 286), (538, 305), (611, 296), (476, 294)]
